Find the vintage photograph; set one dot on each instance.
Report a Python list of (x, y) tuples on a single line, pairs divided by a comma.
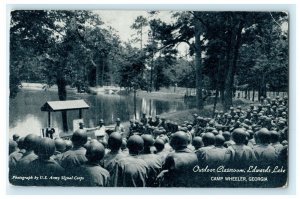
[(114, 98)]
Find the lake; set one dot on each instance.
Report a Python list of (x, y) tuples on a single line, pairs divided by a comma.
[(25, 115)]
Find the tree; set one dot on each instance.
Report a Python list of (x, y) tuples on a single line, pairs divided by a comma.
[(57, 38), (139, 23)]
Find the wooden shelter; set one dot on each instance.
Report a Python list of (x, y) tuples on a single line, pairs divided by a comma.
[(68, 105)]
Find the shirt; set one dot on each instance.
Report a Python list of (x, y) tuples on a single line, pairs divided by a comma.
[(93, 174), (130, 172)]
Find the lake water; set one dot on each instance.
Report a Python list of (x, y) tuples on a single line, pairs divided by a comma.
[(25, 115)]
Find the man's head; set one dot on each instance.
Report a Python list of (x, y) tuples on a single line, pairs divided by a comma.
[(179, 140), (208, 139), (226, 135), (148, 141), (159, 144), (115, 141), (197, 142), (30, 142), (46, 148), (135, 144), (13, 146), (60, 145), (219, 140), (69, 144), (101, 122), (274, 136), (264, 136), (81, 125), (118, 120), (95, 152), (239, 136), (79, 138), (16, 137)]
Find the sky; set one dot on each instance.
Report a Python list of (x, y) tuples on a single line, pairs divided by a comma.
[(122, 20)]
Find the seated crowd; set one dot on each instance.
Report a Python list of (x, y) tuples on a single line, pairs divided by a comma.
[(157, 153)]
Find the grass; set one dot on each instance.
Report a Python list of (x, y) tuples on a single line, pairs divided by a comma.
[(207, 111)]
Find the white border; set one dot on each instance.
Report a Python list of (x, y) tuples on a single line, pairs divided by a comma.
[(261, 5)]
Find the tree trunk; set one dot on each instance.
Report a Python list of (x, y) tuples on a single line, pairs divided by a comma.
[(253, 94), (134, 103), (62, 95), (233, 47), (198, 65), (215, 101)]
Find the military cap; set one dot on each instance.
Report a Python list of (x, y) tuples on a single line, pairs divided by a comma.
[(219, 140), (95, 152), (148, 140), (60, 145), (208, 139), (46, 148), (179, 140), (12, 146), (197, 142), (159, 144), (16, 137), (274, 136), (239, 135), (69, 144), (135, 143), (31, 142), (263, 135), (79, 137), (124, 143), (284, 142), (215, 132), (226, 135), (114, 140)]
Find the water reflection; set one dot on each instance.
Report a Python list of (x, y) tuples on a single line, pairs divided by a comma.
[(26, 117)]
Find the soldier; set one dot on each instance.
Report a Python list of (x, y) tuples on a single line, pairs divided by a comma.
[(197, 143), (69, 145), (93, 174), (160, 146), (144, 120), (30, 145), (124, 146), (131, 171), (241, 156), (16, 137), (150, 121), (228, 141), (204, 152), (264, 152), (157, 121), (274, 139), (219, 155), (114, 144), (178, 167), (153, 161), (76, 156), (44, 165), (60, 146), (119, 127), (100, 131)]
